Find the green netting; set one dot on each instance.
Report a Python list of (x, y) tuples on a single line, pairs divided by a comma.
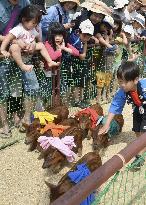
[(96, 75), (127, 187)]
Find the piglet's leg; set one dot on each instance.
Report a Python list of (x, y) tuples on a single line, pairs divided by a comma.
[(89, 135), (32, 146), (56, 168), (79, 152)]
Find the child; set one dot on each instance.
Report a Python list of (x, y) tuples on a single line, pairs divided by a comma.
[(138, 25), (120, 40), (133, 90), (26, 31), (79, 39), (57, 42), (104, 74), (129, 32), (105, 32), (59, 49)]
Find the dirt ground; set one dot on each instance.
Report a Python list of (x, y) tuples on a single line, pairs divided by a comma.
[(21, 174)]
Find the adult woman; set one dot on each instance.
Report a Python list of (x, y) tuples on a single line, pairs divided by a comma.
[(59, 13), (9, 11)]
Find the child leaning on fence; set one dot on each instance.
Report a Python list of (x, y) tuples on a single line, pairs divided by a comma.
[(26, 31), (57, 44), (80, 74), (133, 90), (104, 74)]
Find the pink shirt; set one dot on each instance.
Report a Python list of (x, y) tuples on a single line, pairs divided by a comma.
[(58, 54)]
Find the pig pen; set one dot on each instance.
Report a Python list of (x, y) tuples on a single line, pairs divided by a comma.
[(21, 174)]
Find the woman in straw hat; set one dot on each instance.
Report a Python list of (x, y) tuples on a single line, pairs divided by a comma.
[(95, 11), (59, 13)]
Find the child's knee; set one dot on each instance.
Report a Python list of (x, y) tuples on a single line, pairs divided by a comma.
[(14, 47)]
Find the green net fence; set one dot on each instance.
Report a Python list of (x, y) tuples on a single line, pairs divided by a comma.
[(127, 187)]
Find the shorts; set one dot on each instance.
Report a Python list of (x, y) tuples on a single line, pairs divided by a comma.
[(103, 79), (139, 120), (30, 82)]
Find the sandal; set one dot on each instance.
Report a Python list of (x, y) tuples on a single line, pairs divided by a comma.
[(21, 128), (5, 134), (17, 124)]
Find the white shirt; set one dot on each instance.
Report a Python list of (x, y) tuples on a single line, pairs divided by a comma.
[(28, 36)]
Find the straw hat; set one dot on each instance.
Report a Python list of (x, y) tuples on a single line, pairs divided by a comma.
[(142, 2), (97, 7), (75, 1), (100, 3)]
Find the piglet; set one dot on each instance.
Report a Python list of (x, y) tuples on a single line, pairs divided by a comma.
[(91, 159)]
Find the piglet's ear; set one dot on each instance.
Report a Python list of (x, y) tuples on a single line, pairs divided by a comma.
[(51, 186)]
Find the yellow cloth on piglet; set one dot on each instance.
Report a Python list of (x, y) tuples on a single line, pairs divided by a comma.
[(44, 116)]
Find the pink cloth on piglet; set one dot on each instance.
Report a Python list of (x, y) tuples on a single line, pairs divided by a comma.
[(64, 145)]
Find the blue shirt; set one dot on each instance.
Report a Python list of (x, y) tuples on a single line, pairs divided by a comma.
[(53, 16), (74, 40), (119, 100), (6, 9)]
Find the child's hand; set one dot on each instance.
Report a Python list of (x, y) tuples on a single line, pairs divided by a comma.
[(6, 54), (133, 57), (21, 43), (62, 46), (53, 64), (58, 46), (104, 129), (69, 25)]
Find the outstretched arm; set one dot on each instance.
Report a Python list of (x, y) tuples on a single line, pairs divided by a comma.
[(106, 127), (8, 38), (116, 107)]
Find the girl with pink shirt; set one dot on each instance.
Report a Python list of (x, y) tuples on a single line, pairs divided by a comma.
[(58, 49), (56, 44)]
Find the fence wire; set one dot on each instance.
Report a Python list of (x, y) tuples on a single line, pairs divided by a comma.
[(127, 187)]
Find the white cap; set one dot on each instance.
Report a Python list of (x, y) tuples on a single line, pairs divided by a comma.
[(140, 19), (129, 29), (109, 20), (120, 3), (87, 27)]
